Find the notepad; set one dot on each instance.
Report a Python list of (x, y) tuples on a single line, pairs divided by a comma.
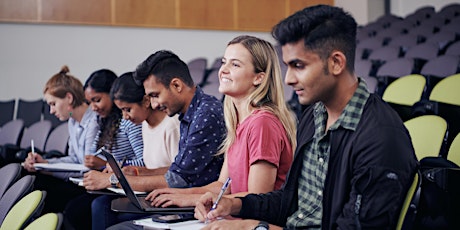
[(79, 181), (186, 225), (61, 167), (122, 192)]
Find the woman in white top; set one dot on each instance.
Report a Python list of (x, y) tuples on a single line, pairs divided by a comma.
[(160, 134)]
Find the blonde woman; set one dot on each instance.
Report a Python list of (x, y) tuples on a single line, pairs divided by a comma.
[(261, 129)]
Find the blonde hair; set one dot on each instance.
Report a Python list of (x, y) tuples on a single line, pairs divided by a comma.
[(268, 96), (62, 83)]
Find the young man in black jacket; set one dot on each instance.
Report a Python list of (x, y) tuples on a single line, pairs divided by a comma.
[(354, 162)]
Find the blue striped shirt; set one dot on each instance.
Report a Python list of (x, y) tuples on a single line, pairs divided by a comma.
[(128, 143)]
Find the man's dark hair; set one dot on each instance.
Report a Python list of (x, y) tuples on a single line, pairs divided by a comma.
[(165, 65), (323, 28)]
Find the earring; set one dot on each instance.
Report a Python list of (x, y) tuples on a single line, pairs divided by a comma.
[(70, 110)]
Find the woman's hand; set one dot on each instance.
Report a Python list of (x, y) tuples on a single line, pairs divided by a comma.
[(94, 162), (31, 159), (131, 170)]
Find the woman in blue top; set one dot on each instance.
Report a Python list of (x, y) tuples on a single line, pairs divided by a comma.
[(122, 138), (66, 98)]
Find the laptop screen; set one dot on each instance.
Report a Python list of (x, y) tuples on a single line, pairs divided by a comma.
[(121, 178)]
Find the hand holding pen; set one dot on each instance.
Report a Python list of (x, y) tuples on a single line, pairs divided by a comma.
[(222, 191), (32, 158)]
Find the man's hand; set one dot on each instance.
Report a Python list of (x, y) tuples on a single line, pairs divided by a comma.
[(95, 180), (224, 208), (160, 191), (180, 200)]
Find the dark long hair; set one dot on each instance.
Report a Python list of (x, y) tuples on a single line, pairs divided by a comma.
[(125, 89), (101, 81)]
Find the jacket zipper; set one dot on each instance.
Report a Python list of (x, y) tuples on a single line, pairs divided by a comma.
[(357, 210)]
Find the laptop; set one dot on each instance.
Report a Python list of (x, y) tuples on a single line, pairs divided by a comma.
[(138, 200)]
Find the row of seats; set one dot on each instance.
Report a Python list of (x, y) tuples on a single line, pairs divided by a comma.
[(428, 134), (426, 42), (424, 25), (15, 140), (206, 77), (20, 205), (405, 96), (433, 70), (29, 111)]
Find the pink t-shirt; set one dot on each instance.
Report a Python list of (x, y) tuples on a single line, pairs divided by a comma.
[(261, 136)]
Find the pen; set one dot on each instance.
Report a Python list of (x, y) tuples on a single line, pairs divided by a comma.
[(123, 162), (32, 147), (222, 191)]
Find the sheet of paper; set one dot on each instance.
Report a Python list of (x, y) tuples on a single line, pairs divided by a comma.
[(186, 225), (122, 192), (77, 180), (61, 167)]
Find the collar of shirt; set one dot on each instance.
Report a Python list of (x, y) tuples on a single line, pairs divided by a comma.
[(187, 116), (87, 117), (350, 116)]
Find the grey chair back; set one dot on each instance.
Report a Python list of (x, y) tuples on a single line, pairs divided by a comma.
[(38, 132), (29, 111), (17, 191), (7, 111), (197, 68), (10, 173), (11, 132), (58, 139)]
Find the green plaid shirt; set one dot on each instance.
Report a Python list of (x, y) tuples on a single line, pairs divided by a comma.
[(316, 159)]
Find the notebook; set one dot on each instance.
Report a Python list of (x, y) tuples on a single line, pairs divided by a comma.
[(61, 167), (138, 200)]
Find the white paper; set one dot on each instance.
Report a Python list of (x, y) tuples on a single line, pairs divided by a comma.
[(77, 180), (122, 192), (63, 167), (186, 225)]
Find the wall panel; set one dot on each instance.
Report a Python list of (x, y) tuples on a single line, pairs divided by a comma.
[(259, 15), (160, 13), (22, 10), (77, 11), (238, 15), (207, 14), (296, 5)]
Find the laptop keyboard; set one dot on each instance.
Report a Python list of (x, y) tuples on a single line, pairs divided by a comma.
[(145, 203)]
